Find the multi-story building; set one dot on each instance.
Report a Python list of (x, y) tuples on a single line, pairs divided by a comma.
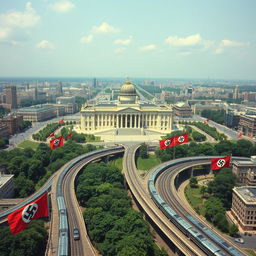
[(6, 186), (247, 124), (126, 112), (12, 122), (38, 113), (11, 96), (244, 207), (4, 131), (232, 118), (245, 171), (182, 109)]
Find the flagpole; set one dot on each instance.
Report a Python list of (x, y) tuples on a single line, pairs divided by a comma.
[(174, 149)]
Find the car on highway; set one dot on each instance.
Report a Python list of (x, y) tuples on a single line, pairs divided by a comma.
[(239, 240), (76, 234)]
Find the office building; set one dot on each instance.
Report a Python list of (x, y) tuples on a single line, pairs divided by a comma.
[(11, 96), (244, 207)]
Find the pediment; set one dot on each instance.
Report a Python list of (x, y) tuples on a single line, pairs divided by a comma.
[(128, 111)]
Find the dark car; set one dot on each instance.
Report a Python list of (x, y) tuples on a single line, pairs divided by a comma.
[(76, 234)]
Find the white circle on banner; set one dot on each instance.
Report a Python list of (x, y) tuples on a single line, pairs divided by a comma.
[(56, 142), (221, 162), (181, 139), (167, 143), (29, 212)]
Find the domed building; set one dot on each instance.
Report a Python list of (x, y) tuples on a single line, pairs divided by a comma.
[(128, 94), (127, 113)]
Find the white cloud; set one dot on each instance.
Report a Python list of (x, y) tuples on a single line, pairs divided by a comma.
[(119, 50), (4, 34), (105, 28), (229, 43), (123, 41), (62, 6), (25, 19), (86, 39), (224, 44), (149, 47), (44, 44), (184, 41)]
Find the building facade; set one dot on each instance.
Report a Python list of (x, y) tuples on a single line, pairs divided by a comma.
[(245, 171), (247, 124), (37, 113), (232, 118), (6, 186), (244, 207), (182, 109), (12, 122), (127, 112), (11, 96)]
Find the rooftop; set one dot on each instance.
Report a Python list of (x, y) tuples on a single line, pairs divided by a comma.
[(35, 108), (5, 178), (248, 193)]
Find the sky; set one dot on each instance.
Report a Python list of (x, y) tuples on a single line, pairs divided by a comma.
[(208, 39)]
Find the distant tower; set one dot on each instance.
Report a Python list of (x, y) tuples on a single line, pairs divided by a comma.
[(11, 96), (27, 87), (59, 88), (94, 83), (35, 94), (236, 92)]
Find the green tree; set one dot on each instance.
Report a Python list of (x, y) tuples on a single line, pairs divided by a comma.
[(143, 151), (23, 187), (233, 230), (193, 182)]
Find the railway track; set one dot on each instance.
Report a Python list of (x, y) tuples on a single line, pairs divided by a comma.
[(167, 191), (185, 246)]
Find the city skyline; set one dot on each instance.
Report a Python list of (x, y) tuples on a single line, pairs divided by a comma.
[(175, 39)]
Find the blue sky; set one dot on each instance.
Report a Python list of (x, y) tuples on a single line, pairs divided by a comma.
[(115, 38)]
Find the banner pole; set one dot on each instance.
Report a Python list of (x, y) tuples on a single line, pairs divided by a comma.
[(174, 149)]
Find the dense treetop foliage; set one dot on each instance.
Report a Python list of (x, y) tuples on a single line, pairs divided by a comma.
[(114, 227), (215, 115), (3, 142), (44, 133), (236, 148), (143, 151), (32, 241), (32, 168)]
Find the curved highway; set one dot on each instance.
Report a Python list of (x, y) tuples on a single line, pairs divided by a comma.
[(185, 246), (165, 186)]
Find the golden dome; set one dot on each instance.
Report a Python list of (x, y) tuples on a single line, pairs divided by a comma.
[(127, 89)]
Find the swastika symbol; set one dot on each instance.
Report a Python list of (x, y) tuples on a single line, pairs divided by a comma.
[(221, 162), (167, 143), (56, 142), (181, 139), (29, 212)]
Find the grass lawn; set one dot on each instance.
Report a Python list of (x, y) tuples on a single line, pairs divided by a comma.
[(147, 163), (96, 139), (118, 163), (250, 252), (195, 199), (29, 144)]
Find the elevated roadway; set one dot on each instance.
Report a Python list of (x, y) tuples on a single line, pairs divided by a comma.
[(166, 186), (178, 241)]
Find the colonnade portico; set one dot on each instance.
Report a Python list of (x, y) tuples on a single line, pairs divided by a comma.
[(126, 113), (102, 121)]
